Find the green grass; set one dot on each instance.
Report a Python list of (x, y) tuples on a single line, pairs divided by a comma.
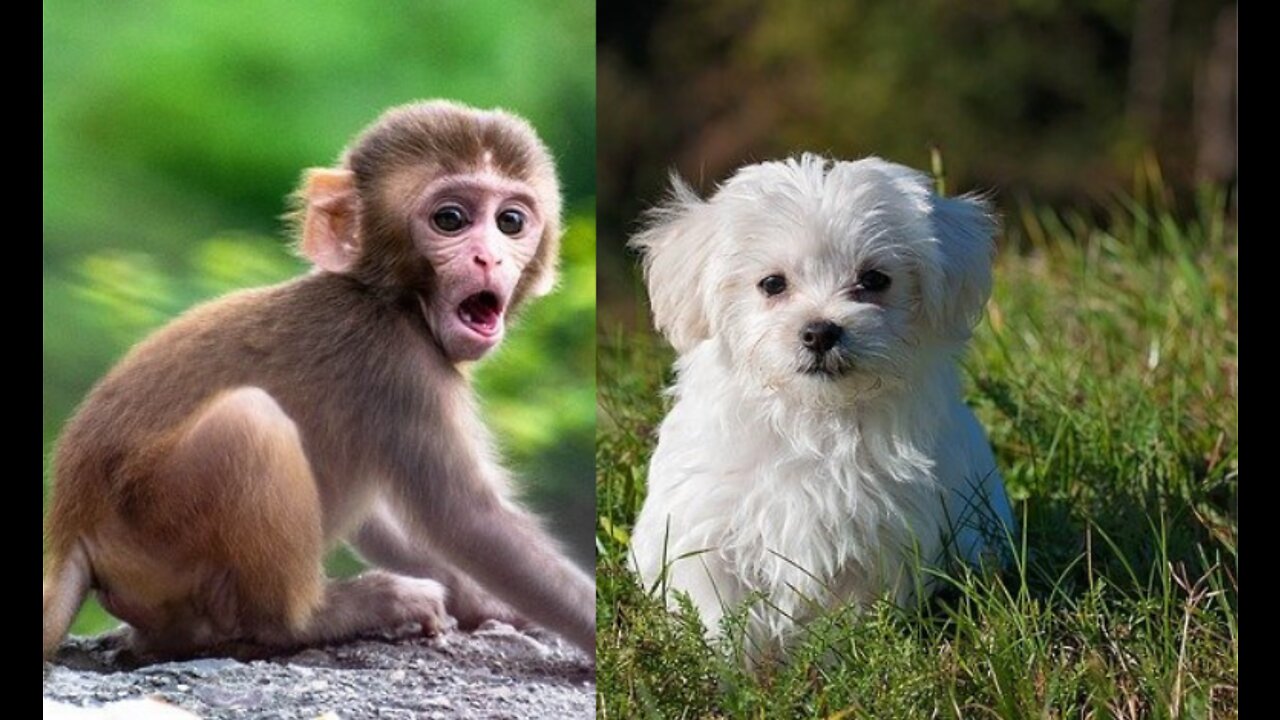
[(1106, 373)]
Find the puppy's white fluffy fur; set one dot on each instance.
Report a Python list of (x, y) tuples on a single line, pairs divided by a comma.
[(798, 482)]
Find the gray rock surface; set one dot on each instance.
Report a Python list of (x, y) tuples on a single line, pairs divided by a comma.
[(498, 673)]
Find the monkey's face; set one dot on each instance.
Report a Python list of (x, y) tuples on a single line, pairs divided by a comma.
[(456, 208), (478, 232)]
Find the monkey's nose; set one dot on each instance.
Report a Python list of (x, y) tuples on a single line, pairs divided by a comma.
[(486, 260), (821, 336)]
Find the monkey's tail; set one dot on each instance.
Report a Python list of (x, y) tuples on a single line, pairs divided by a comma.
[(65, 587)]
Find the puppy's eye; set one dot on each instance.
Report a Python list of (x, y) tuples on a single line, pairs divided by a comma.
[(449, 219), (773, 285), (873, 281)]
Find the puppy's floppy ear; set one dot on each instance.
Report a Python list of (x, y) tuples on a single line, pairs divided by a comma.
[(677, 244), (965, 229)]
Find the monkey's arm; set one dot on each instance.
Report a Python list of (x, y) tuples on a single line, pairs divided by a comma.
[(439, 463)]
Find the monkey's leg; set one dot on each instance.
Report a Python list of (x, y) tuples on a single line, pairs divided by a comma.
[(383, 541), (237, 558), (223, 536), (217, 530)]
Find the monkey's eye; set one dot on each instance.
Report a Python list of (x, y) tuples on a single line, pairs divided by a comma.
[(873, 281), (449, 219), (511, 222), (773, 285)]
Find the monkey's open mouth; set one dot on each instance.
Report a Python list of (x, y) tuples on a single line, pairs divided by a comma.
[(482, 312)]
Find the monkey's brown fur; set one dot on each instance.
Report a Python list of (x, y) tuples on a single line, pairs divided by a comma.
[(199, 484)]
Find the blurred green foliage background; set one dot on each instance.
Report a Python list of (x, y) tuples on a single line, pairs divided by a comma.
[(173, 131), (1041, 102)]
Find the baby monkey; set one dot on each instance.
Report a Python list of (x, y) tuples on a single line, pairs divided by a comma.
[(199, 485)]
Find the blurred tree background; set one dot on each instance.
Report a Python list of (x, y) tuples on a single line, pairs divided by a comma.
[(1046, 99), (173, 132)]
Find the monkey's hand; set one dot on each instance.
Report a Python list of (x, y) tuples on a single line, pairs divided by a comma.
[(472, 607)]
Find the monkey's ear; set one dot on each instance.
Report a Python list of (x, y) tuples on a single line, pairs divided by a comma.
[(678, 244), (543, 270), (328, 235)]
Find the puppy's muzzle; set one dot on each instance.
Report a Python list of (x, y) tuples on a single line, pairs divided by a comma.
[(819, 337)]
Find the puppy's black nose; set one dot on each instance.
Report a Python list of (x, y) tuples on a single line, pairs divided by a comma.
[(821, 336)]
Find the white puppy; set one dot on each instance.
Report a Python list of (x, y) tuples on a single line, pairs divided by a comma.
[(818, 451)]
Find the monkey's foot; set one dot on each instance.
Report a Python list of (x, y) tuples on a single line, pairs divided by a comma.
[(417, 600), (375, 602)]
